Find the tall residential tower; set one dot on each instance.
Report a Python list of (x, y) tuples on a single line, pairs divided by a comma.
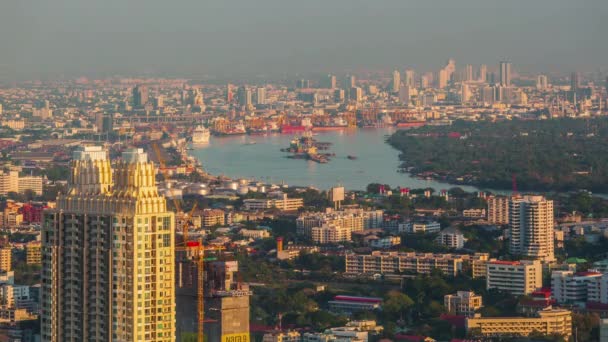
[(531, 227), (108, 256)]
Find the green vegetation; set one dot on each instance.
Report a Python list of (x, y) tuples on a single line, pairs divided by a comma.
[(552, 155)]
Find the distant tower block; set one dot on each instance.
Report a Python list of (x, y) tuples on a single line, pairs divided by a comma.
[(336, 195)]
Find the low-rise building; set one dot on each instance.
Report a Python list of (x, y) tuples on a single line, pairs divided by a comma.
[(548, 322), (351, 304), (379, 262), (293, 251), (517, 277), (282, 336), (420, 227), (385, 242), (283, 203), (572, 287), (474, 213), (255, 233), (463, 303)]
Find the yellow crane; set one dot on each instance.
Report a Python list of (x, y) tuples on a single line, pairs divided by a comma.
[(195, 250)]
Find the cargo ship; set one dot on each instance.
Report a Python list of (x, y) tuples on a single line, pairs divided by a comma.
[(200, 135), (290, 129), (411, 124)]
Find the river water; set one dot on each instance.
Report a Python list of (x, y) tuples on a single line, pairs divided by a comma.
[(377, 162)]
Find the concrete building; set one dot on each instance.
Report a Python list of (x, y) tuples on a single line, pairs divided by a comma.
[(451, 238), (283, 203), (282, 336), (505, 74), (353, 219), (420, 227), (33, 253), (517, 277), (226, 303), (385, 242), (6, 259), (396, 83), (255, 233), (108, 255), (330, 233), (531, 227), (572, 287), (549, 322), (463, 303), (498, 209), (32, 183), (379, 262), (213, 217), (351, 304), (604, 327)]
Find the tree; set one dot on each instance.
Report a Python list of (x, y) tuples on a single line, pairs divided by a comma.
[(396, 304)]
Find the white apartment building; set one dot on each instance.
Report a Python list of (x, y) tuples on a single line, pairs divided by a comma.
[(531, 227), (11, 182), (283, 203), (571, 287), (517, 277)]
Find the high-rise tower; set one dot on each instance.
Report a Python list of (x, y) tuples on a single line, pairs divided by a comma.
[(531, 227), (108, 255), (140, 96), (396, 81), (505, 74)]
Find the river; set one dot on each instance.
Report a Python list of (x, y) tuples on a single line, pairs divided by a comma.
[(377, 162)]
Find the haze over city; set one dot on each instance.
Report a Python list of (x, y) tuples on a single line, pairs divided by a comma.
[(243, 38), (303, 171)]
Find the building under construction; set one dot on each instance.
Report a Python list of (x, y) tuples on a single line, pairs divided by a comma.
[(226, 302)]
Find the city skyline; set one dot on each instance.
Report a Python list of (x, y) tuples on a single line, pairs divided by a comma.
[(274, 38)]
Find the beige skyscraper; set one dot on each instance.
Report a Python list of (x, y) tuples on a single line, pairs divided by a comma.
[(108, 256), (531, 227), (395, 86)]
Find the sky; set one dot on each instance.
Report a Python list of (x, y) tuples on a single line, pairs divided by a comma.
[(41, 39)]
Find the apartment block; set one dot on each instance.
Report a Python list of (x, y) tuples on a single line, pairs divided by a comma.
[(531, 227), (380, 262), (498, 210), (572, 287), (548, 322), (108, 254), (517, 277)]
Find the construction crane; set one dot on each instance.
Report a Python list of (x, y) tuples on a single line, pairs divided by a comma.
[(195, 251)]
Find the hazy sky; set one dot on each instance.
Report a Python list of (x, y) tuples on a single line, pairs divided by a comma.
[(227, 38)]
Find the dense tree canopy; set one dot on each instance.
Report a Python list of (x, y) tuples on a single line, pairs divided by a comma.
[(559, 154)]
